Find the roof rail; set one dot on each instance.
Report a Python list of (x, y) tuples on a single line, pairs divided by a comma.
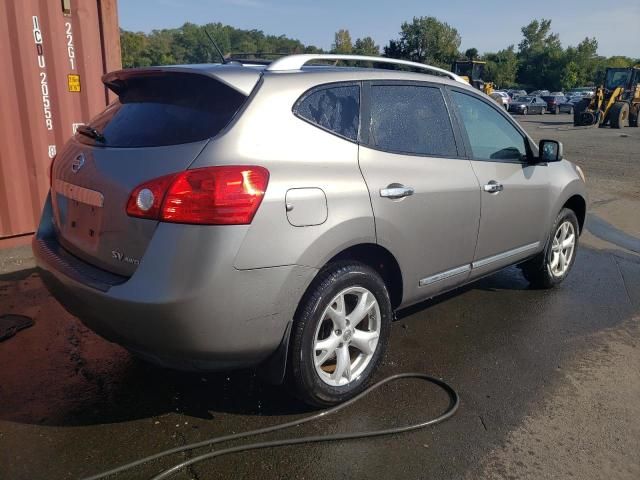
[(296, 62)]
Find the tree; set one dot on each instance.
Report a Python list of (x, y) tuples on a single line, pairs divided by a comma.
[(502, 67), (540, 56), (366, 46), (312, 49), (342, 42), (426, 40), (580, 64), (190, 44), (133, 49), (471, 53)]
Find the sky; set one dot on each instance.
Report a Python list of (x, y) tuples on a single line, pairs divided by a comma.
[(488, 25)]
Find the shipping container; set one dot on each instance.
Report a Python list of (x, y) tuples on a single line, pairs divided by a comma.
[(53, 54)]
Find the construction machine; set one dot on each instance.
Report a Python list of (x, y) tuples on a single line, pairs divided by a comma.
[(614, 102), (473, 71)]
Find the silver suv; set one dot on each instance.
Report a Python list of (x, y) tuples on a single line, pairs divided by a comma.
[(275, 216)]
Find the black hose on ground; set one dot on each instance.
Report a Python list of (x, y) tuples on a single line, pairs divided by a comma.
[(454, 402)]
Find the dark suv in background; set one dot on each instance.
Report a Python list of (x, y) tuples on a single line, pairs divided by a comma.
[(554, 102)]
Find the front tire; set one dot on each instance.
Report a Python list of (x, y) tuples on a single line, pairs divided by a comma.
[(618, 114), (550, 267), (340, 334)]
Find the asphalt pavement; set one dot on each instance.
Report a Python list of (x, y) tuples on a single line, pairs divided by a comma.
[(549, 380)]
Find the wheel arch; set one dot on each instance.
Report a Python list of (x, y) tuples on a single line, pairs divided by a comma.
[(382, 261), (273, 370), (578, 204)]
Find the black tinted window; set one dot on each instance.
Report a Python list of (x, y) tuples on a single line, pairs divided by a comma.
[(492, 137), (335, 108), (166, 109), (411, 119)]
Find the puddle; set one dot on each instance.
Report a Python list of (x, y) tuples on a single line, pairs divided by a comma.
[(605, 231)]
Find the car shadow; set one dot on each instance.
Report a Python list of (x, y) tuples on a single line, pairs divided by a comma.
[(59, 373)]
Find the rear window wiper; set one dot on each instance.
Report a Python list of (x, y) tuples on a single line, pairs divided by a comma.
[(91, 132)]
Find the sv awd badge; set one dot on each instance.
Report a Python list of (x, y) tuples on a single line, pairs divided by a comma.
[(121, 257)]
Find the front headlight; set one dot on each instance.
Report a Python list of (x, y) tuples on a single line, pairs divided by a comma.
[(581, 173)]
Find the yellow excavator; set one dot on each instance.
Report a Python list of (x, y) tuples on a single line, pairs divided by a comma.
[(473, 71), (614, 102)]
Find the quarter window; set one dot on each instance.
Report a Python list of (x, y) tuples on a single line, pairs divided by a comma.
[(411, 119), (492, 137), (336, 109)]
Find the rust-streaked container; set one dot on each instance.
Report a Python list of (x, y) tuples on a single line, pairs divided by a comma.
[(52, 56)]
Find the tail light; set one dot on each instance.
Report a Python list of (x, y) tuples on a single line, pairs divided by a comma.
[(226, 195)]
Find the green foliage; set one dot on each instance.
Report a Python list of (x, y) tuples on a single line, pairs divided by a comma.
[(134, 49), (502, 67), (471, 54), (540, 61), (342, 42), (366, 46), (426, 40), (189, 44), (540, 55)]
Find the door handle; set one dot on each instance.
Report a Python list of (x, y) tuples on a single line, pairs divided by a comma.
[(493, 187), (395, 191)]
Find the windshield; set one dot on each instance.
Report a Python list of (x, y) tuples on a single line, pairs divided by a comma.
[(463, 69), (468, 69), (616, 78)]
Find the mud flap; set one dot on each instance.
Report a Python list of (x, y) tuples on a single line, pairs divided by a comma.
[(274, 368)]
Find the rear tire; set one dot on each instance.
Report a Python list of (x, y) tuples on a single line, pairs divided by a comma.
[(619, 114), (551, 266), (327, 316)]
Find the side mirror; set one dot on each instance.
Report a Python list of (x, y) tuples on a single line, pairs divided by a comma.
[(551, 151)]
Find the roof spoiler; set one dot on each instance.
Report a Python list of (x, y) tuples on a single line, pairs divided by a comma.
[(241, 79)]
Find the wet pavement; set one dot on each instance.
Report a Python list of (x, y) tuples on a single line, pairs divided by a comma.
[(549, 380)]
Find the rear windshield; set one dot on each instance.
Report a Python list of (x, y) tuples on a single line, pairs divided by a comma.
[(165, 109)]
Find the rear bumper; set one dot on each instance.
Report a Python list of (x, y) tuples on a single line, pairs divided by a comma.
[(185, 306)]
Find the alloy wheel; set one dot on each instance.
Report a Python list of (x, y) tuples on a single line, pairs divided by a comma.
[(347, 336), (562, 249)]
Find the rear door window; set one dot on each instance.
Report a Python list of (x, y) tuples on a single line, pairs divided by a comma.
[(165, 109), (335, 108), (411, 119)]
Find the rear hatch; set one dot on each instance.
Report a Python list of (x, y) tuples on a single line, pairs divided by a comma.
[(162, 120)]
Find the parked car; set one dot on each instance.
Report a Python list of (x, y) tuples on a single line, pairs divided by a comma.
[(517, 93), (557, 94), (540, 93), (553, 102), (569, 104), (583, 91), (224, 216), (502, 98), (528, 105)]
